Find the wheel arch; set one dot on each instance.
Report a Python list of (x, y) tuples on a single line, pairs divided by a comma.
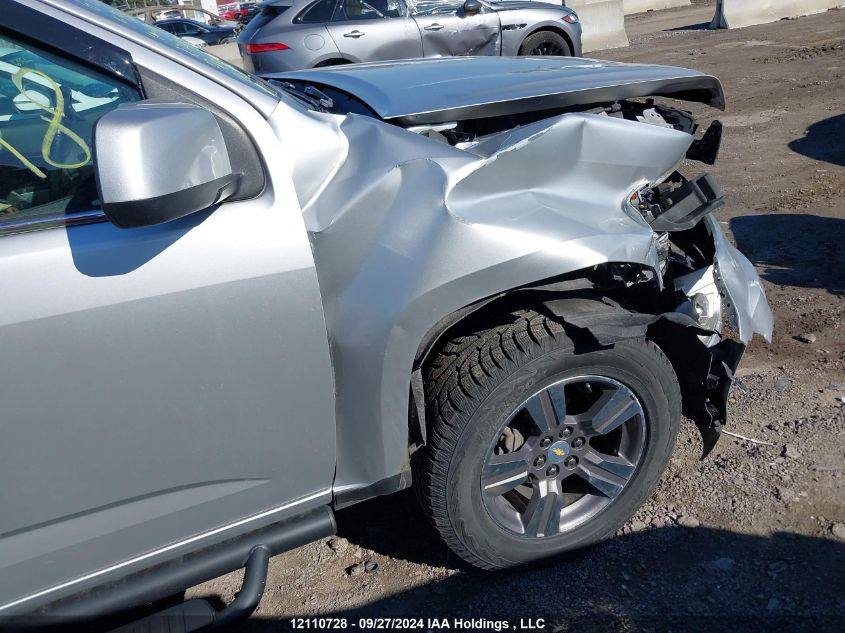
[(593, 318), (332, 61), (549, 295), (553, 29), (579, 283)]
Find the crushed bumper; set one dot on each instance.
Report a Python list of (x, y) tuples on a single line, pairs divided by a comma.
[(745, 304), (744, 298)]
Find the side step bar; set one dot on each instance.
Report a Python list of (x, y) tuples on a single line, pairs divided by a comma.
[(195, 615), (252, 550)]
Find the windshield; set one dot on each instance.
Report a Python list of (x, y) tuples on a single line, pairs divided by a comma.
[(163, 37)]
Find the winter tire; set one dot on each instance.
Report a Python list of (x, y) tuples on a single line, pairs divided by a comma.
[(535, 450), (545, 43)]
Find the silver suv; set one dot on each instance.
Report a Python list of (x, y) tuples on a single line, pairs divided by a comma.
[(299, 34), (232, 306)]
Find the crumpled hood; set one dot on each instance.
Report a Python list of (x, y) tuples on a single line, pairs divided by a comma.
[(454, 88)]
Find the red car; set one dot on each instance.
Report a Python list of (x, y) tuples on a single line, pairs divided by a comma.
[(239, 11)]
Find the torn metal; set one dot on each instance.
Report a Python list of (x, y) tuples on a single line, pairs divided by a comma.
[(745, 298), (408, 228)]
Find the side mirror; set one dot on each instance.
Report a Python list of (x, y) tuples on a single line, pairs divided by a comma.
[(472, 7), (157, 162)]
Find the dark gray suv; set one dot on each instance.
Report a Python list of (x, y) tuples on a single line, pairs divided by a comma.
[(299, 34)]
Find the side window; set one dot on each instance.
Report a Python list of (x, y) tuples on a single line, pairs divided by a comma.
[(171, 27), (188, 28), (48, 108), (365, 10), (433, 7), (318, 12)]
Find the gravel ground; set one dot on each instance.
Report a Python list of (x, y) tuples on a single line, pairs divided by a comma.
[(751, 538)]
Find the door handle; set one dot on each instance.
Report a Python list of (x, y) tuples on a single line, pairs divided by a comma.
[(433, 27), (356, 34)]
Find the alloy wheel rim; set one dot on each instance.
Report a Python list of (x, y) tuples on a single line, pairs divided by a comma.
[(563, 456)]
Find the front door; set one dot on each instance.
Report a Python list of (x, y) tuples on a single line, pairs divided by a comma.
[(448, 31), (374, 30), (161, 387)]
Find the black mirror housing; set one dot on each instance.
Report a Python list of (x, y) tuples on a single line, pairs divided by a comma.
[(472, 6)]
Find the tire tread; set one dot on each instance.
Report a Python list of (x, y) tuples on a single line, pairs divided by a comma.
[(456, 379)]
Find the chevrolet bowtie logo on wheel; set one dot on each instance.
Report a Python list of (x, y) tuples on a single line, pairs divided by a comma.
[(559, 452)]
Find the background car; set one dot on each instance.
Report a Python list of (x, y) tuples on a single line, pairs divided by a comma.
[(245, 11), (151, 15), (227, 11), (299, 34), (183, 27)]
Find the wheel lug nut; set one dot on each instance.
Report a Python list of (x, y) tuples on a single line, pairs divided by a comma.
[(578, 442), (571, 462), (552, 471), (545, 442), (540, 461), (566, 432)]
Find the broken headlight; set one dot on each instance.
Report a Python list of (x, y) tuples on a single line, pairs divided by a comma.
[(703, 301), (677, 204)]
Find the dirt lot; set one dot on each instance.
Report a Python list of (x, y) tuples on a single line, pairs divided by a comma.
[(754, 536)]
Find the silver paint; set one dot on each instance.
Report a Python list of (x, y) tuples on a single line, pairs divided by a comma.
[(151, 369), (432, 91), (179, 145), (747, 305), (406, 230), (184, 379)]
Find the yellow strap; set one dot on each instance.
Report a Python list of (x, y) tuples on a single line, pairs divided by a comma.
[(54, 122), (54, 126)]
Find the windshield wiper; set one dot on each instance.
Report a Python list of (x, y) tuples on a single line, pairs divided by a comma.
[(310, 95)]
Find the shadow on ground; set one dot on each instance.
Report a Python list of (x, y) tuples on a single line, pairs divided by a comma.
[(669, 578), (823, 140), (395, 526), (700, 26), (805, 251)]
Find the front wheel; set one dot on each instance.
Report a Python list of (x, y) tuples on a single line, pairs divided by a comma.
[(545, 43), (536, 450)]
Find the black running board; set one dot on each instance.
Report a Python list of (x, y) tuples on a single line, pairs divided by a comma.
[(252, 551), (195, 615)]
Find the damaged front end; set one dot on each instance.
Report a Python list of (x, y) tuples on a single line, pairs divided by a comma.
[(700, 286), (434, 188), (719, 287), (720, 295), (709, 305), (702, 305)]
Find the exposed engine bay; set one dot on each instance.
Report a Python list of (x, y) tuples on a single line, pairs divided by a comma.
[(464, 133)]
